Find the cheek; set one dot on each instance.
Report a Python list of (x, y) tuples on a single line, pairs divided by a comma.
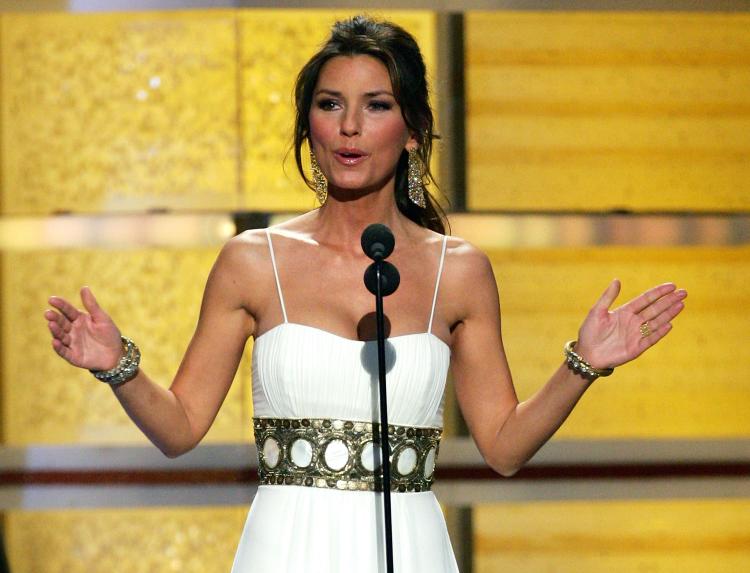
[(395, 134), (394, 130), (321, 130)]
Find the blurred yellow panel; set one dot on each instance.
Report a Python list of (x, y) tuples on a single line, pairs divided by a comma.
[(142, 540), (592, 111), (118, 112), (668, 536), (693, 384), (274, 46), (153, 295)]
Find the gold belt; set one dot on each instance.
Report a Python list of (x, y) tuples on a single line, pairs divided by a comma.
[(345, 455)]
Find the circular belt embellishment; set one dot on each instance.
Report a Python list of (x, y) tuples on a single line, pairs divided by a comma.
[(370, 458), (429, 463), (336, 455), (271, 452), (343, 455), (301, 452), (406, 460)]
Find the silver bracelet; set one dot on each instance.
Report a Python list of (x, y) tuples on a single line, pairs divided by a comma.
[(578, 365), (127, 367)]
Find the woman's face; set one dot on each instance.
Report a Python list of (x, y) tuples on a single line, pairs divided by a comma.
[(356, 126)]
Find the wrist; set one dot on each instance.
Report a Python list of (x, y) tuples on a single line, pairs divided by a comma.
[(578, 364), (122, 352), (585, 352), (126, 368)]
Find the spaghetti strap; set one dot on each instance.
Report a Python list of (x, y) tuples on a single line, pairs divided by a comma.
[(437, 283), (276, 275)]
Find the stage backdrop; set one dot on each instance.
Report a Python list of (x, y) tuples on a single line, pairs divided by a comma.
[(124, 115)]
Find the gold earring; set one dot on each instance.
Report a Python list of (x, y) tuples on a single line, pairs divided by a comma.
[(414, 177), (319, 180)]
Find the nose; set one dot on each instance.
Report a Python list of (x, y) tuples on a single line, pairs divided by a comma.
[(351, 123)]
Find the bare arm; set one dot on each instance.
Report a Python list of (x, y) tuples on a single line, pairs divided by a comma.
[(174, 419), (507, 432)]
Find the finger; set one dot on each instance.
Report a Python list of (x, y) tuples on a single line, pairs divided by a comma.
[(59, 320), (662, 304), (60, 348), (59, 333), (639, 303), (89, 301), (68, 310), (55, 329), (53, 316), (609, 295), (656, 335), (668, 315)]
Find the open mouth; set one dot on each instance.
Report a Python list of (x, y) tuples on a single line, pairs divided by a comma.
[(350, 156)]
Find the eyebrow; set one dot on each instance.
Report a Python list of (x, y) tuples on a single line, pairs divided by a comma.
[(367, 94)]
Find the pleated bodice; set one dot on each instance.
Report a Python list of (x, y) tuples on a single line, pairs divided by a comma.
[(304, 372)]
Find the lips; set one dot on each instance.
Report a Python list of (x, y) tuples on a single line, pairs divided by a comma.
[(350, 155)]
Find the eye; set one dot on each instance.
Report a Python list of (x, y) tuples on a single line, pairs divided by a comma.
[(327, 104), (380, 105)]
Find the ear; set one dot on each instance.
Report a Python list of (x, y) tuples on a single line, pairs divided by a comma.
[(412, 143)]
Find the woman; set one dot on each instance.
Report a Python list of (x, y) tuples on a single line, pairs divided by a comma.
[(362, 107)]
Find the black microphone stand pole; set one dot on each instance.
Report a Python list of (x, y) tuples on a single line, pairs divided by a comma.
[(382, 279), (385, 445)]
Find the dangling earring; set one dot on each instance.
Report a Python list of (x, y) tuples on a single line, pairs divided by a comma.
[(319, 180), (414, 177)]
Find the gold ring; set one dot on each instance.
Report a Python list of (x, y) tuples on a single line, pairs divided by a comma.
[(645, 329)]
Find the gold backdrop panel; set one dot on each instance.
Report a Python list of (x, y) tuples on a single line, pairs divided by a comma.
[(591, 111), (142, 540), (113, 112), (668, 536), (274, 45), (693, 384), (153, 296)]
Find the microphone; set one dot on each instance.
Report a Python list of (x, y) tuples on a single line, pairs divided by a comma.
[(377, 243), (389, 278)]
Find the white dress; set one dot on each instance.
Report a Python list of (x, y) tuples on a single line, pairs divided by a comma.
[(304, 372)]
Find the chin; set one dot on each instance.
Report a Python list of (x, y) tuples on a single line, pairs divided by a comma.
[(359, 185), (351, 185)]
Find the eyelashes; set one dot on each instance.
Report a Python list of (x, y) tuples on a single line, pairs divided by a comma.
[(381, 105), (328, 104)]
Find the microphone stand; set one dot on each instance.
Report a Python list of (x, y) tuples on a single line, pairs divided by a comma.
[(382, 279), (384, 443)]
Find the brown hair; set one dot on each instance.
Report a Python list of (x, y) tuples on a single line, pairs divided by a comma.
[(400, 54)]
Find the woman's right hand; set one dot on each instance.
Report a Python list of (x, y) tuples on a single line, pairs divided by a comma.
[(87, 340)]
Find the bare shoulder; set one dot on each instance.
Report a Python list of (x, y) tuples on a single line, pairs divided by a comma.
[(468, 282), (244, 251), (465, 262), (242, 269)]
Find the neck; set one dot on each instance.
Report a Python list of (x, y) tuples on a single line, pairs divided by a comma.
[(341, 222)]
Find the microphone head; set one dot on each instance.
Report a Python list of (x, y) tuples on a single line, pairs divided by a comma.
[(389, 278), (377, 241)]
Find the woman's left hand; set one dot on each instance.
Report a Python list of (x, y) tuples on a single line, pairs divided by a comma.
[(608, 338)]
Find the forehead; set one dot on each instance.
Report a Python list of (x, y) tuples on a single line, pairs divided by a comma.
[(352, 72)]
